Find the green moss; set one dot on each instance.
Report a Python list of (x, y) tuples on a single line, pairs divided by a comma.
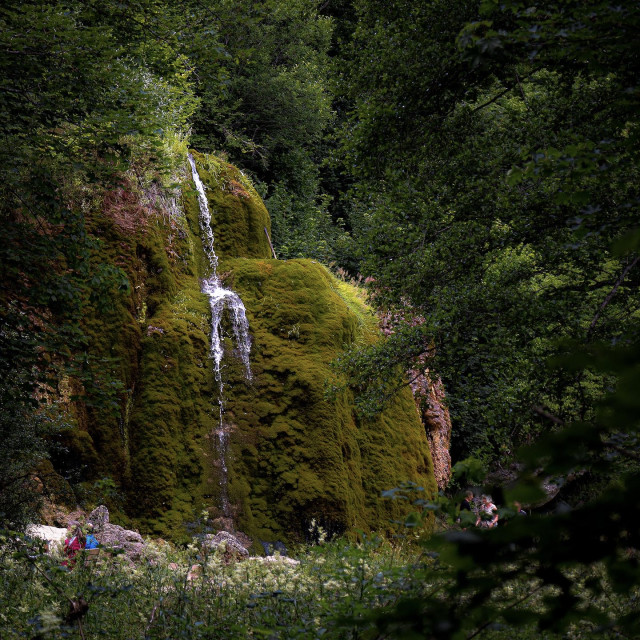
[(238, 215), (153, 340), (173, 413), (306, 457)]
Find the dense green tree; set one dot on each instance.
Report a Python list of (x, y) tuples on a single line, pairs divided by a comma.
[(491, 186), (507, 225), (269, 95), (85, 89), (261, 71), (81, 95)]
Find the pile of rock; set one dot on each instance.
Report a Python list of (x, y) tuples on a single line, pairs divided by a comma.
[(235, 548), (232, 549), (113, 536), (110, 536)]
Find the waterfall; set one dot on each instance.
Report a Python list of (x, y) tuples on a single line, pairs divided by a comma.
[(219, 300)]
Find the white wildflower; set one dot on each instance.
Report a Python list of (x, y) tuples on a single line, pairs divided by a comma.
[(49, 621)]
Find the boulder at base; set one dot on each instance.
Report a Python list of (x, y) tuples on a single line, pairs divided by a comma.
[(114, 536)]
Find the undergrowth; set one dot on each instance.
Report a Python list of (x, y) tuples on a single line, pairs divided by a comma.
[(194, 594), (164, 596)]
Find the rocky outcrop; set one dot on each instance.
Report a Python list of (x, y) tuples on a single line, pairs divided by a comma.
[(232, 549), (429, 395), (296, 454), (110, 536), (99, 518), (428, 391), (51, 535), (114, 536)]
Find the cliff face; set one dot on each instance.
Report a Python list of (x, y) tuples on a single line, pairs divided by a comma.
[(429, 393), (291, 455), (430, 399)]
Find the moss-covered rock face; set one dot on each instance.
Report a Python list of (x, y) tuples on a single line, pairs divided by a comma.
[(293, 455), (155, 342), (239, 218), (296, 456)]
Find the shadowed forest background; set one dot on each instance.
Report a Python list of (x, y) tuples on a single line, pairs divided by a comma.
[(473, 165)]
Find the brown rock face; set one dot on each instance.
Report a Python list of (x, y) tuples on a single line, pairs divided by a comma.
[(429, 394), (428, 391)]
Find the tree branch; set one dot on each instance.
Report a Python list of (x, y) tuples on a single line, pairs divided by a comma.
[(524, 98), (505, 91), (482, 627), (621, 451), (609, 297), (545, 414)]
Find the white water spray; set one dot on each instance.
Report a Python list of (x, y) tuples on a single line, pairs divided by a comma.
[(219, 300)]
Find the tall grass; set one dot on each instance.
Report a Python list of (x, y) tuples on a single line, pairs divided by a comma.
[(158, 598)]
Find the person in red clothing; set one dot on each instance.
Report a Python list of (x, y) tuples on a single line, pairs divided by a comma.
[(74, 543)]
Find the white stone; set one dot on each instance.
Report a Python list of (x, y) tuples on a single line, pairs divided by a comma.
[(280, 559), (53, 535)]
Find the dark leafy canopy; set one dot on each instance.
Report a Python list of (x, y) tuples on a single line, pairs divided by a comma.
[(85, 87), (508, 220), (83, 90), (495, 154), (576, 572), (269, 95), (261, 71)]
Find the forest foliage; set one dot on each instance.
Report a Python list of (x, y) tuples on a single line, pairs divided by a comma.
[(494, 158), (479, 166), (497, 199)]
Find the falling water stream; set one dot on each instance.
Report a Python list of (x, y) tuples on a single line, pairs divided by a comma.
[(219, 300)]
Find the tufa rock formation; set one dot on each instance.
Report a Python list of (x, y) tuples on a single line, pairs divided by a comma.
[(291, 455)]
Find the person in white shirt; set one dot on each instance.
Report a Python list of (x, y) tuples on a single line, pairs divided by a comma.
[(487, 513)]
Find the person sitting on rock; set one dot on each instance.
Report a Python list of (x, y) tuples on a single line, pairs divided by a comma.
[(74, 543), (487, 514), (92, 542)]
